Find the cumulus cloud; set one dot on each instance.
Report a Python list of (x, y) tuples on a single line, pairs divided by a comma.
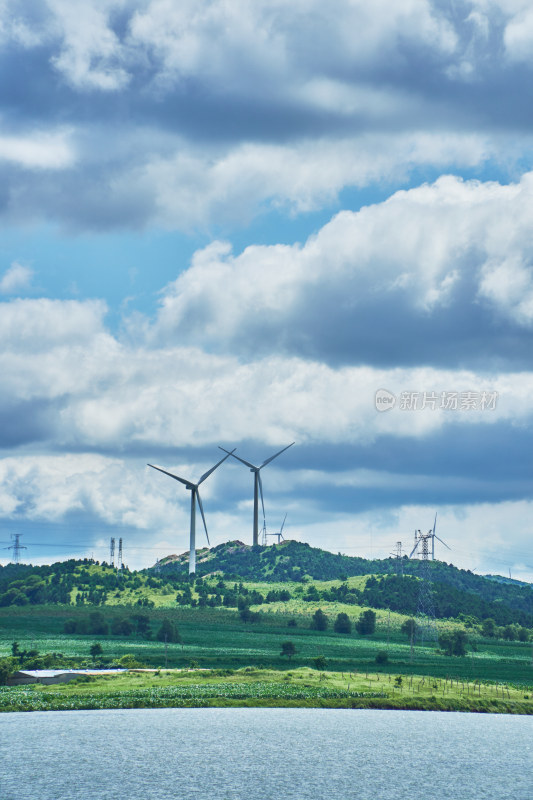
[(15, 279), (230, 109), (427, 268), (96, 391)]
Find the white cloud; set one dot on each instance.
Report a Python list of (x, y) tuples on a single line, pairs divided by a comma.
[(91, 55), (103, 393), (197, 188), (42, 324), (51, 150), (429, 247), (15, 279), (249, 44)]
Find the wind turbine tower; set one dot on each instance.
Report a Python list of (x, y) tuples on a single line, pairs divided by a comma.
[(195, 499), (258, 485)]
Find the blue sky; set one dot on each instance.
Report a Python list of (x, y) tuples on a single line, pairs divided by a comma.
[(231, 224)]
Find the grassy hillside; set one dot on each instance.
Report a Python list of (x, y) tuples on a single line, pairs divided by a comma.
[(291, 571), (294, 561)]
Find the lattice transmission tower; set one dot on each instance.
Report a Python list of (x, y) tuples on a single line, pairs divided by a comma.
[(16, 547), (112, 551), (426, 627), (398, 557)]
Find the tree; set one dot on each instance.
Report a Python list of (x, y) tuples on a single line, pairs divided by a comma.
[(142, 622), (343, 623), (409, 628), (8, 665), (366, 624), (97, 624), (319, 621), (250, 616), (509, 633), (168, 632), (453, 643), (382, 657), (121, 627), (320, 663), (288, 649), (69, 626), (96, 650), (523, 634), (488, 628)]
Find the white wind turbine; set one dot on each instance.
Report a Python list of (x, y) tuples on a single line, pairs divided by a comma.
[(258, 485), (195, 498)]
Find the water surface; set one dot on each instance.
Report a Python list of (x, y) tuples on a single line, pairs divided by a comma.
[(264, 754)]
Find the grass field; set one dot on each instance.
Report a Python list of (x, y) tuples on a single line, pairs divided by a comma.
[(218, 639), (255, 687)]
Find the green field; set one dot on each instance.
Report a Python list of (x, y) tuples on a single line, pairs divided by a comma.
[(255, 687), (218, 639)]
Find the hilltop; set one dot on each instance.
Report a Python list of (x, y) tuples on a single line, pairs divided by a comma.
[(458, 590)]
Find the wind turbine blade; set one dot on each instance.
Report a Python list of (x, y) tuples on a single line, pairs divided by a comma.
[(413, 550), (435, 525), (260, 482), (444, 543), (232, 453), (283, 523), (176, 477), (209, 471), (275, 456), (200, 506)]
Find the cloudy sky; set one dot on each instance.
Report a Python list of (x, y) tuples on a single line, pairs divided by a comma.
[(233, 223)]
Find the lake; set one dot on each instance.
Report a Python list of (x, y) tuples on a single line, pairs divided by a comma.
[(264, 754)]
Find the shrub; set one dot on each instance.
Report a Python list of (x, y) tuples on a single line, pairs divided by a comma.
[(382, 657)]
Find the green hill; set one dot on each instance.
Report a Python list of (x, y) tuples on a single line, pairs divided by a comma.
[(457, 590), (234, 574)]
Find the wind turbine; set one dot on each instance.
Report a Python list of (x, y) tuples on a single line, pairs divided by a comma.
[(258, 485), (279, 534), (195, 498), (424, 538)]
